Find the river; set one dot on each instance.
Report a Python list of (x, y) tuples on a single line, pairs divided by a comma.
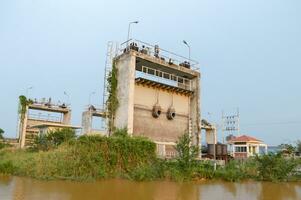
[(18, 188)]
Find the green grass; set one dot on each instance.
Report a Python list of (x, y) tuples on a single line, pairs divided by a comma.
[(95, 157)]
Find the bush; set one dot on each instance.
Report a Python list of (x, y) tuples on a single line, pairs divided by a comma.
[(187, 153), (86, 158), (274, 167), (6, 167), (45, 142), (1, 133)]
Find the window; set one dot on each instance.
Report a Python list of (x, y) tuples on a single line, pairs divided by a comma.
[(241, 149)]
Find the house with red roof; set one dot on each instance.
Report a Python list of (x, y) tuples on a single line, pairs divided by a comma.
[(245, 146)]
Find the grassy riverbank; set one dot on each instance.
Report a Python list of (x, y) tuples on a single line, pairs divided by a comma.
[(120, 156)]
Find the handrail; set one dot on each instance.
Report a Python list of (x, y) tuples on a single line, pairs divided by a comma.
[(176, 58)]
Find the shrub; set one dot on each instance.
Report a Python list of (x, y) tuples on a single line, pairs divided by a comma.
[(6, 167), (53, 139), (274, 167), (187, 153), (1, 133), (120, 133)]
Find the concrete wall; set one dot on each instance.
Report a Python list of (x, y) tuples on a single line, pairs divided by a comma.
[(195, 113), (159, 129), (147, 97), (136, 102), (125, 92)]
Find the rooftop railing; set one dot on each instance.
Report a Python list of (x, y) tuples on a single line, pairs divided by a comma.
[(164, 77), (159, 53), (44, 117)]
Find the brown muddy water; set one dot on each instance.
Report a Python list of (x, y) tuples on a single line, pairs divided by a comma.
[(17, 188)]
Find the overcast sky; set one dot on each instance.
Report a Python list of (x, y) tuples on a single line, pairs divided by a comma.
[(249, 53)]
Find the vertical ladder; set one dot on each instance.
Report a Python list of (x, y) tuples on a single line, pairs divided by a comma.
[(112, 50)]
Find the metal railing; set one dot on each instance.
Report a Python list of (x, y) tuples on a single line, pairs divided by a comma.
[(45, 117), (164, 77), (159, 53)]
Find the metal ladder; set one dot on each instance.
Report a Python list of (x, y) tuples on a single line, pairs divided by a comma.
[(112, 50)]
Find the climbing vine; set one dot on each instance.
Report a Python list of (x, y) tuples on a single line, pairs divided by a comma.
[(23, 102), (112, 101)]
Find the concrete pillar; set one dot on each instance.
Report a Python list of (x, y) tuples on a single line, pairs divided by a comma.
[(126, 67), (211, 136), (86, 122), (257, 149), (67, 117), (195, 113), (23, 126)]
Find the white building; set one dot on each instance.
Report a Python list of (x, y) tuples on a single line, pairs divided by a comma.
[(245, 146)]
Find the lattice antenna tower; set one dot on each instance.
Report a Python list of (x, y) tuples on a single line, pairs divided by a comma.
[(230, 124)]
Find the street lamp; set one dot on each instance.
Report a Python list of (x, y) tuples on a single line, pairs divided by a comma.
[(90, 95), (129, 29), (68, 97), (188, 48), (27, 89)]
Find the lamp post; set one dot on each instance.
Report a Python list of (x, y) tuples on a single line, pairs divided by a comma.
[(27, 89), (68, 97), (184, 41), (90, 95), (129, 29)]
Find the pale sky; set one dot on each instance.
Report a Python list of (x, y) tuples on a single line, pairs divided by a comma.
[(249, 53)]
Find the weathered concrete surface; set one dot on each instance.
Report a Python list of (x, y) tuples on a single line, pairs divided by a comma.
[(26, 126), (148, 97), (124, 115), (136, 102), (159, 129)]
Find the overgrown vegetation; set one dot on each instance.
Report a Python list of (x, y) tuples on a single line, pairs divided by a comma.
[(62, 156), (274, 167), (3, 144), (84, 158), (1, 133), (23, 103), (112, 101), (51, 140), (187, 154)]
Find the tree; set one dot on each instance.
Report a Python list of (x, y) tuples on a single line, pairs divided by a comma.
[(1, 133), (230, 137), (187, 153), (274, 167), (288, 148)]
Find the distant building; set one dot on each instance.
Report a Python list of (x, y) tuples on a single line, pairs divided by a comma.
[(245, 146), (39, 117)]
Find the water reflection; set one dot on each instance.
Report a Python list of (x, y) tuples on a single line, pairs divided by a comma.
[(17, 188)]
